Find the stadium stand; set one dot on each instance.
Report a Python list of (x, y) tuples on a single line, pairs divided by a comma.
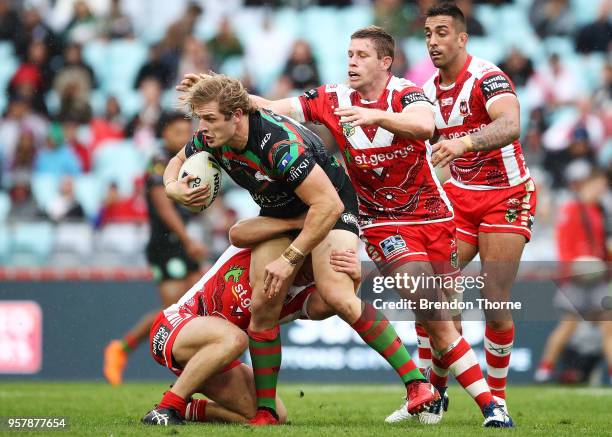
[(266, 34)]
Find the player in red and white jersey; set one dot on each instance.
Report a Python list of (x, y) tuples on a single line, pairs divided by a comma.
[(477, 119), (381, 123), (201, 337)]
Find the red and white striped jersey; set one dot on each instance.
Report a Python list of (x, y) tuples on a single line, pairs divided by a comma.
[(393, 176), (461, 109)]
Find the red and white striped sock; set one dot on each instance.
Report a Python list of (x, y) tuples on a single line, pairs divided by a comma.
[(461, 360), (424, 348), (196, 410), (439, 374), (498, 346)]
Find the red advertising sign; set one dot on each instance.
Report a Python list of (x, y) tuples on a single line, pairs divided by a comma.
[(20, 336)]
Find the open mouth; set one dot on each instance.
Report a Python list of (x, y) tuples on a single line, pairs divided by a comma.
[(352, 75), (435, 53)]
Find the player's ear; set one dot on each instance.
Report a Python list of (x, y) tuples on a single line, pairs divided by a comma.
[(386, 62), (237, 115), (463, 39)]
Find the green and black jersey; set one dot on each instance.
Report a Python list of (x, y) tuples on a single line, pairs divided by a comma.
[(279, 155)]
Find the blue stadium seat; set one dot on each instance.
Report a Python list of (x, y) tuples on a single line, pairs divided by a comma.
[(4, 243), (352, 18), (31, 242), (562, 45), (233, 66), (8, 66), (95, 54), (45, 188), (125, 57), (5, 206), (289, 20), (89, 190), (483, 47), (488, 17), (415, 50), (120, 162), (585, 11)]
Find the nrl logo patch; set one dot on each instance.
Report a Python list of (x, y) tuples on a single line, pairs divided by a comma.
[(511, 215), (347, 129)]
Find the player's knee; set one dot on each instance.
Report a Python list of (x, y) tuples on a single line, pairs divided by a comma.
[(235, 343), (500, 325), (236, 235), (341, 303)]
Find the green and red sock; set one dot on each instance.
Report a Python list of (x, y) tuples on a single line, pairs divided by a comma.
[(374, 328), (265, 348), (129, 343)]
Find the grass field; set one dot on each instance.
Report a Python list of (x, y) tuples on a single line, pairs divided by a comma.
[(352, 410)]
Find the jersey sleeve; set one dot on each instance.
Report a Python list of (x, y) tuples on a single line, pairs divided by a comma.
[(495, 85), (195, 145), (290, 162), (410, 97), (312, 104)]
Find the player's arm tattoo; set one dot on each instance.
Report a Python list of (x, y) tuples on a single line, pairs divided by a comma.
[(499, 133)]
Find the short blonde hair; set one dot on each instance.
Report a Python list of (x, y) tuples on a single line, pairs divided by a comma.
[(228, 92)]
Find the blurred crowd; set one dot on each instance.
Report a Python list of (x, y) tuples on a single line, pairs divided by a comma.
[(63, 108)]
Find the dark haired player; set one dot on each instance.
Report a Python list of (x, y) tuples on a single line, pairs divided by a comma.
[(173, 255), (477, 120)]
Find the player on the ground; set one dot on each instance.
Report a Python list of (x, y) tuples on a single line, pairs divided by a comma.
[(380, 123), (477, 115), (201, 337), (173, 255), (288, 172)]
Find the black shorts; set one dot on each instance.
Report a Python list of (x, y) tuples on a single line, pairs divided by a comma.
[(348, 220), (169, 261)]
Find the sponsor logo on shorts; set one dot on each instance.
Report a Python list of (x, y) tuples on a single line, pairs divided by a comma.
[(159, 341), (511, 215), (513, 203), (349, 219), (393, 245)]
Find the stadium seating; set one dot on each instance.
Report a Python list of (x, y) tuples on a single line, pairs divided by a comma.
[(31, 242), (119, 162)]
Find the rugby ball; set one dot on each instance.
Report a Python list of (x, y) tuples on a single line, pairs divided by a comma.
[(207, 171)]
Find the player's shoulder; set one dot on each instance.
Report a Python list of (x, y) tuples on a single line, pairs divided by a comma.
[(400, 84), (481, 68), (429, 87), (335, 88)]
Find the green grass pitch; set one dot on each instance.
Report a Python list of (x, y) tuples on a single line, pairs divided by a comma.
[(352, 410)]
